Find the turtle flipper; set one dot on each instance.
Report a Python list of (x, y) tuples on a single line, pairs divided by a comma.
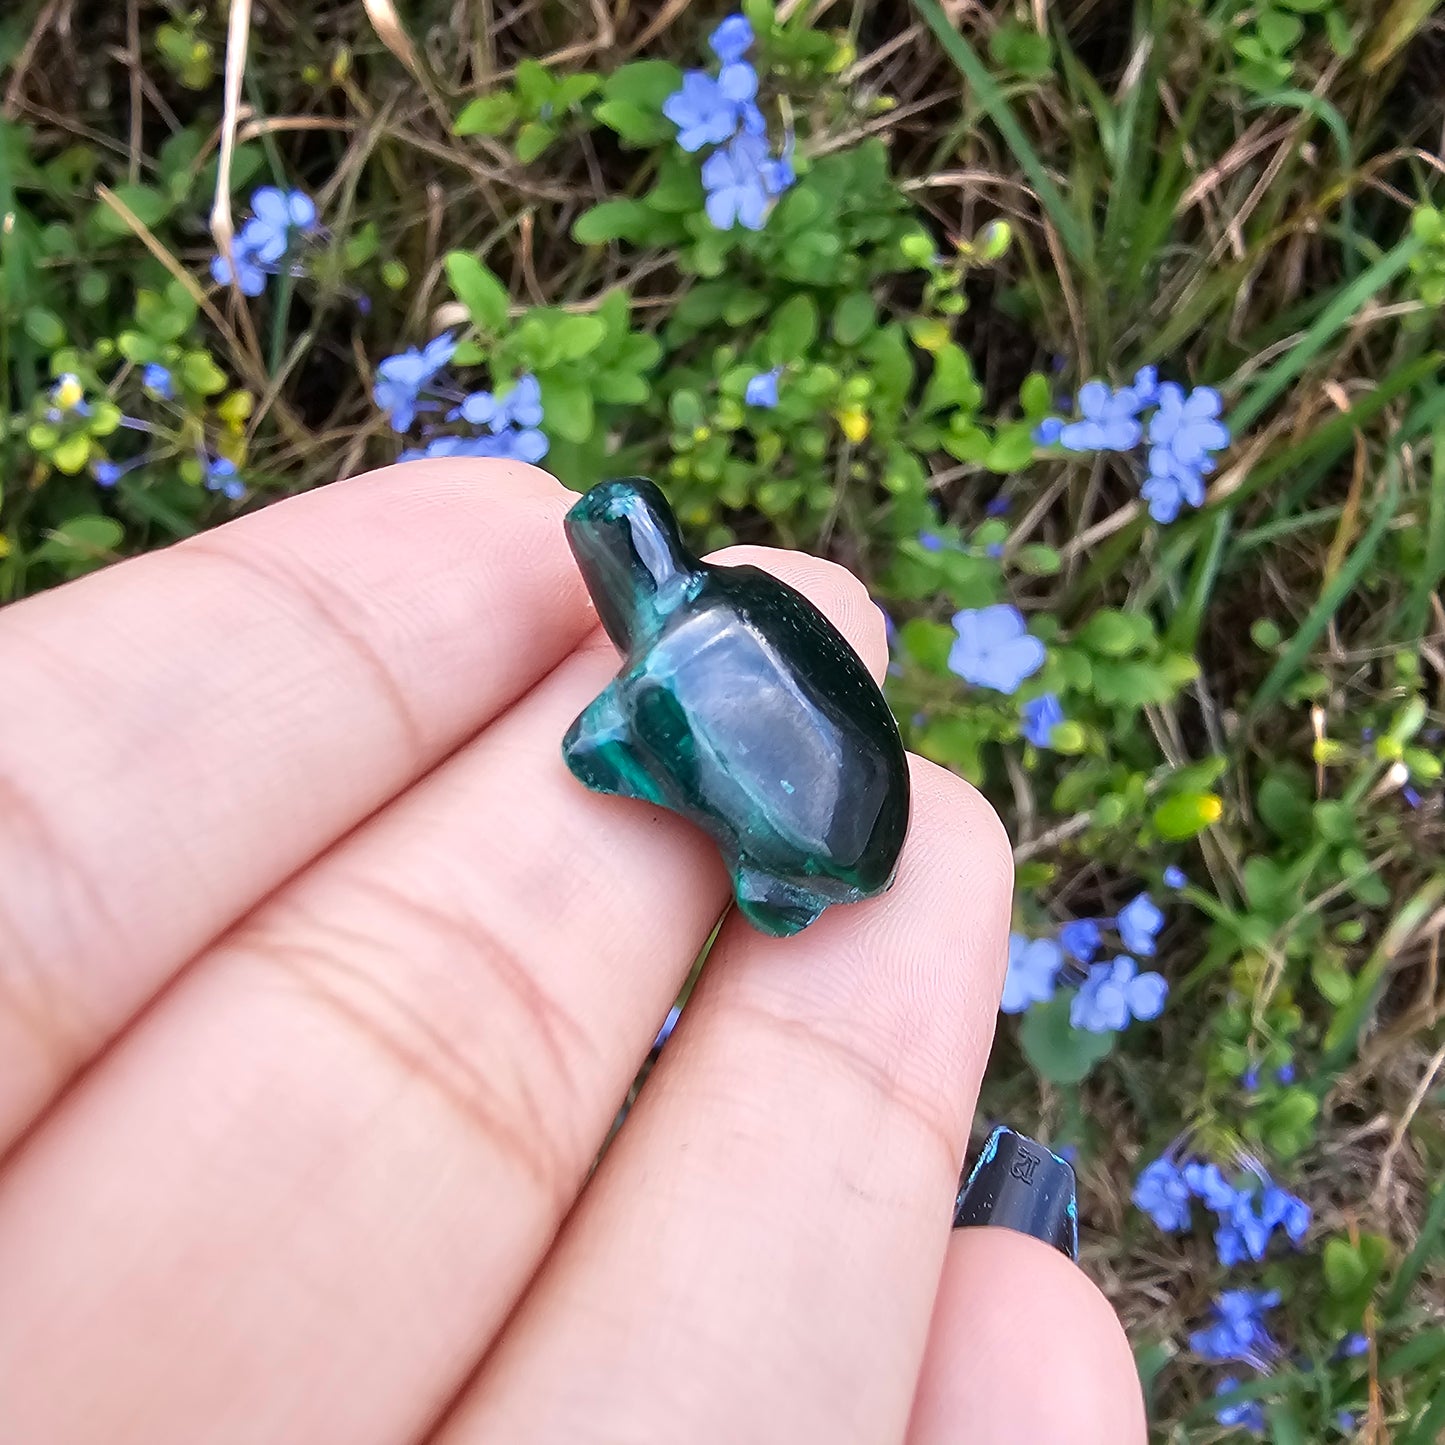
[(598, 750), (774, 906)]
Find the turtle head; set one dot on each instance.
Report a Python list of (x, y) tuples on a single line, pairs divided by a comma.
[(631, 556)]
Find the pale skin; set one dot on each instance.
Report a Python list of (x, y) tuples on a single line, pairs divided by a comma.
[(321, 981)]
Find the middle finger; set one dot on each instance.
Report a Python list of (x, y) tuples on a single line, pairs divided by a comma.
[(299, 1200)]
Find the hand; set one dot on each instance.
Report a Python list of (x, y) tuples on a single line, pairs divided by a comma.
[(321, 981)]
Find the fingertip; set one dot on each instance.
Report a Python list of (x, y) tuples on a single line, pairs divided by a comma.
[(1023, 1349)]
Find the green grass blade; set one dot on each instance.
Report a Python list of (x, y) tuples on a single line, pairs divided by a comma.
[(1432, 572), (1077, 238), (1343, 1038), (1430, 1242), (1339, 587), (1333, 318)]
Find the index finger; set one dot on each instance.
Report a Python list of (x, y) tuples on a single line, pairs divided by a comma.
[(185, 730)]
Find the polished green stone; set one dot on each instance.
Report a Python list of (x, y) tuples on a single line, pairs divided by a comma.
[(741, 707)]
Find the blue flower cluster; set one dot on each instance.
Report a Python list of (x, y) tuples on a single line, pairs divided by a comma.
[(1116, 993), (1246, 1415), (1237, 1331), (1247, 1213), (994, 648), (1112, 993), (743, 178), (413, 382), (1183, 433), (278, 218)]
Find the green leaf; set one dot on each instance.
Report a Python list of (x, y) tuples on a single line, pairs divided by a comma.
[(794, 330), (1035, 395), (1283, 805), (1022, 49), (853, 318), (952, 384), (200, 374), (1116, 634), (927, 642), (71, 454), (44, 328), (1344, 1266), (567, 407), (479, 291), (82, 542), (646, 83), (1285, 1425), (147, 204), (535, 84), (576, 336), (1012, 449), (634, 125), (533, 139), (614, 221), (1185, 815), (1059, 1052), (487, 115)]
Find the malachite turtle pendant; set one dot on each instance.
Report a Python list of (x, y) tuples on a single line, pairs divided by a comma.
[(740, 707)]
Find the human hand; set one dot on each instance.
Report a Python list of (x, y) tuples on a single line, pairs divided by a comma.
[(358, 974)]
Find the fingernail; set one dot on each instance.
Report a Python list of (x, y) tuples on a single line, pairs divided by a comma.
[(1018, 1184)]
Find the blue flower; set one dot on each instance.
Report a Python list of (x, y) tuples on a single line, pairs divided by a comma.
[(777, 171), (1171, 484), (1145, 386), (400, 379), (1246, 1415), (1206, 1182), (1033, 968), (221, 477), (737, 84), (1344, 1421), (1250, 1080), (997, 506), (1285, 1073), (732, 178), (1182, 434), (1237, 1331), (1353, 1346), (701, 112), (157, 379), (1081, 938), (522, 406), (248, 275), (762, 389), (265, 238), (1048, 431), (994, 648), (732, 39), (276, 214), (1279, 1207), (1114, 993), (1110, 420), (1041, 716), (1161, 1193), (1175, 877), (1188, 426), (107, 474), (1139, 921)]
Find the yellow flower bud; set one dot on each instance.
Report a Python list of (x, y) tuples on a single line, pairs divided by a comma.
[(854, 422)]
